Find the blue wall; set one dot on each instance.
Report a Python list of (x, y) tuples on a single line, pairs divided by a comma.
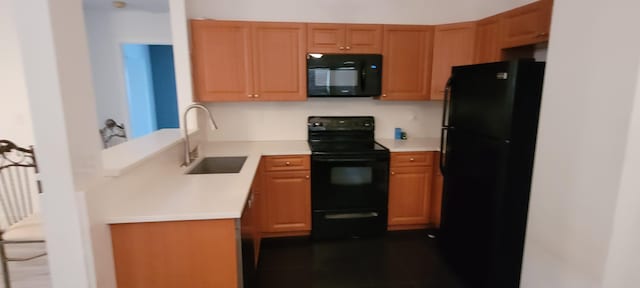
[(138, 76), (164, 86)]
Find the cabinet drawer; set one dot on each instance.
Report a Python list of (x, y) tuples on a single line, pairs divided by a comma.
[(411, 159), (286, 163)]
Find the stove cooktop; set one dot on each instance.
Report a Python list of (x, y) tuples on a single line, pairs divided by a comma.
[(346, 147)]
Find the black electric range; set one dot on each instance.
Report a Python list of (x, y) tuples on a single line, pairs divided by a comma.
[(349, 177)]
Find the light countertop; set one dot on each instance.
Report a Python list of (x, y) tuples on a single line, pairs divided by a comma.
[(161, 191), (411, 144)]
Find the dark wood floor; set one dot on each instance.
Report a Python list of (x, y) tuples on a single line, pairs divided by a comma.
[(397, 260)]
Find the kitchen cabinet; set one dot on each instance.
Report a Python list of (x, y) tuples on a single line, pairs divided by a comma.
[(410, 185), (487, 44), (176, 254), (286, 196), (436, 193), (453, 45), (344, 38), (248, 61), (407, 59), (526, 25)]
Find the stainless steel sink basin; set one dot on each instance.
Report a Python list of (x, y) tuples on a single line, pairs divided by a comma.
[(219, 165)]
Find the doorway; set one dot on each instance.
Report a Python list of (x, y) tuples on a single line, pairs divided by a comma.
[(151, 88)]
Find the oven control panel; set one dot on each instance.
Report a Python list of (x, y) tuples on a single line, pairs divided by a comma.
[(358, 123)]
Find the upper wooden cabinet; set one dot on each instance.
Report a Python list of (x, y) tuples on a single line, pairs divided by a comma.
[(526, 25), (221, 60), (344, 38), (453, 45), (487, 43), (407, 57), (279, 61), (247, 61)]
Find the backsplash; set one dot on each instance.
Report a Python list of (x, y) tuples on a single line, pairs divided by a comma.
[(265, 121)]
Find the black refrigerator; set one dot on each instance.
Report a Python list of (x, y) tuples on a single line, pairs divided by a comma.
[(488, 142)]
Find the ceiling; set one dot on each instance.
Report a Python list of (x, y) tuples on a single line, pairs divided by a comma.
[(154, 6)]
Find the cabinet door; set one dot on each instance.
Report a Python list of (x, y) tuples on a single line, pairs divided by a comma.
[(526, 25), (487, 41), (453, 46), (363, 38), (410, 195), (325, 38), (407, 56), (279, 53), (436, 193), (221, 57), (287, 200)]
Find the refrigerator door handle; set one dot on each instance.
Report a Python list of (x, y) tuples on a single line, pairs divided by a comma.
[(447, 96), (443, 147)]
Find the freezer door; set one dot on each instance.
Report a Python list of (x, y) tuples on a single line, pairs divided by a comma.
[(482, 98)]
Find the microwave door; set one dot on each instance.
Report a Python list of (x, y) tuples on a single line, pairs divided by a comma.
[(345, 81)]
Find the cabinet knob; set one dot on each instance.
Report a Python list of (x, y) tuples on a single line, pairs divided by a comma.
[(341, 48), (250, 95), (287, 163), (348, 47), (256, 95), (542, 34), (393, 173), (384, 95), (306, 177), (411, 159)]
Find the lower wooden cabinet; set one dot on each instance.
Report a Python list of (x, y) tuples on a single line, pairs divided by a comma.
[(286, 197), (198, 253), (410, 185)]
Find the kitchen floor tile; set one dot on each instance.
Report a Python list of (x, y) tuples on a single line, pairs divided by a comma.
[(406, 259)]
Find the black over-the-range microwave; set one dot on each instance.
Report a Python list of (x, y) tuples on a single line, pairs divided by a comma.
[(344, 75)]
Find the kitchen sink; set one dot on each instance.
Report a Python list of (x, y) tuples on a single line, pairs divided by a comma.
[(219, 165)]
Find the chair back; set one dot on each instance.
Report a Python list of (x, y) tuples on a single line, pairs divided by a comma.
[(19, 187)]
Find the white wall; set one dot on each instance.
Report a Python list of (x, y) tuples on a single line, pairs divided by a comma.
[(287, 120), (590, 85), (57, 73), (624, 253), (15, 117), (350, 11), (107, 29)]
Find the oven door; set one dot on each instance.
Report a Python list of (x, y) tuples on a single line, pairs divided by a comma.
[(349, 182)]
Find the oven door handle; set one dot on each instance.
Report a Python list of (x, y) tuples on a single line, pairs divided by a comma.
[(333, 160)]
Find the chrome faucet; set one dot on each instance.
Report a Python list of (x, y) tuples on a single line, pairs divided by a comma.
[(190, 155)]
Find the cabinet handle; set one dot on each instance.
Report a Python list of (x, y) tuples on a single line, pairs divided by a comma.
[(250, 95), (411, 159), (384, 95), (256, 95), (348, 47), (287, 163), (542, 34), (341, 48), (393, 173), (307, 177)]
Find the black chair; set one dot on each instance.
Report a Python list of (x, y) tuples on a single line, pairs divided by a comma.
[(19, 191)]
